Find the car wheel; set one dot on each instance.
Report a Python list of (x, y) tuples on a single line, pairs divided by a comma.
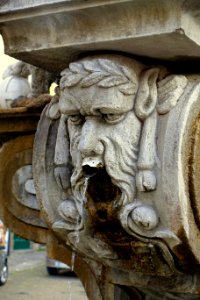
[(4, 274), (52, 271)]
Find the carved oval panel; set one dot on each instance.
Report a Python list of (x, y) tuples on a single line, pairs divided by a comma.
[(20, 209)]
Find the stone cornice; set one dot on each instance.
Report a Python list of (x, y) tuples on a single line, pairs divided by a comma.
[(50, 33)]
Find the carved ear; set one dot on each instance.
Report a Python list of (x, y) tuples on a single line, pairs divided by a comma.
[(147, 94), (170, 90)]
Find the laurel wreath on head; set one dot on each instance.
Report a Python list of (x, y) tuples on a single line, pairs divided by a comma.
[(101, 72)]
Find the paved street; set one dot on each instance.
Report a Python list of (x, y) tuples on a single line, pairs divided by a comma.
[(29, 280)]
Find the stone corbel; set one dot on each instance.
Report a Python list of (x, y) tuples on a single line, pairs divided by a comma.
[(85, 203)]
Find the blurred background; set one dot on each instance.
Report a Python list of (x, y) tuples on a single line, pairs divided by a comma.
[(5, 60)]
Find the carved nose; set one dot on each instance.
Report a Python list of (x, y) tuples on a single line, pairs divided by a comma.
[(91, 149), (89, 144)]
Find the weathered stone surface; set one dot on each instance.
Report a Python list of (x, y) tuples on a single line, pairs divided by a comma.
[(111, 167), (50, 34), (116, 155)]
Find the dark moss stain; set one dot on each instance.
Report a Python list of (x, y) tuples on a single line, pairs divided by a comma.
[(185, 260), (190, 170), (133, 254)]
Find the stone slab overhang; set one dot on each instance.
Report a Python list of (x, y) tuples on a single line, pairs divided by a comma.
[(50, 33)]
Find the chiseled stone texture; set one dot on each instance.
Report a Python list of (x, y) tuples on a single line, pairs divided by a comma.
[(115, 173), (112, 152)]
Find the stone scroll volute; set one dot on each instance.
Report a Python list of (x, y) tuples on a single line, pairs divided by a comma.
[(109, 167)]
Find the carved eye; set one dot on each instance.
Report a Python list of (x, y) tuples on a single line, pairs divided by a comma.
[(76, 119), (113, 118)]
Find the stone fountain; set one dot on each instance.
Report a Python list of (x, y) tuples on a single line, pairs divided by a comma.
[(116, 151)]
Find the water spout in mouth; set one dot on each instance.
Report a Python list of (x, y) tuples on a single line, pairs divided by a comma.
[(89, 171), (91, 166), (85, 186)]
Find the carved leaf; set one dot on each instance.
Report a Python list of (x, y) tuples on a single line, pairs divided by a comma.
[(76, 67), (72, 80), (103, 72), (64, 75), (128, 74), (65, 72), (170, 90), (112, 81), (93, 78), (128, 89), (91, 66), (109, 66)]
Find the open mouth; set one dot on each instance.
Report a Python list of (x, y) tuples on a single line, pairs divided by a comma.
[(100, 186), (89, 171), (101, 193)]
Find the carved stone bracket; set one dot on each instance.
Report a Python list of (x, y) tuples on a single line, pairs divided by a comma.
[(51, 34), (112, 166)]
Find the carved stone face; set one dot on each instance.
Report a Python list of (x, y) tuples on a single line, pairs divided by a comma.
[(104, 133), (98, 102), (102, 139)]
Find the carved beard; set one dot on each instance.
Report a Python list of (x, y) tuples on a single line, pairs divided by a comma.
[(120, 165)]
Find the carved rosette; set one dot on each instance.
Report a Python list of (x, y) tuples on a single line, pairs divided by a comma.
[(113, 164)]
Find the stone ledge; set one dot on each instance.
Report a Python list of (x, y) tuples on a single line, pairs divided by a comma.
[(62, 30)]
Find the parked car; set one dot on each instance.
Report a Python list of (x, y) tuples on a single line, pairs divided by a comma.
[(54, 267), (4, 252)]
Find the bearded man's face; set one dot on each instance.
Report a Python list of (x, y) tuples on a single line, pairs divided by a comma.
[(104, 134)]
